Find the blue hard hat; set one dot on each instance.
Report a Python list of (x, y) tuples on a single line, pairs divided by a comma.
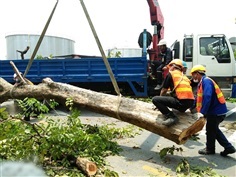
[(184, 64)]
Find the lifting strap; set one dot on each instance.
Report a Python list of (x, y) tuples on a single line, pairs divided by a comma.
[(39, 41), (115, 85)]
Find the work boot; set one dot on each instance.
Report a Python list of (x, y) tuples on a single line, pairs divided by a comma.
[(158, 87), (206, 151), (171, 119), (228, 151)]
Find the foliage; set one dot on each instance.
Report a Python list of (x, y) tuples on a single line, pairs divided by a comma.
[(3, 113), (183, 166), (118, 54), (148, 100), (169, 150), (194, 137), (39, 57), (50, 56), (184, 169), (231, 100), (116, 133), (112, 55), (69, 103), (33, 107), (52, 104), (57, 143), (109, 173)]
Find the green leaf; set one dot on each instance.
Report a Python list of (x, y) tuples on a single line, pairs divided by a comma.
[(27, 131), (163, 153)]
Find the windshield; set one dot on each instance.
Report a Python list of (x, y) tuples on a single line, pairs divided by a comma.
[(215, 46)]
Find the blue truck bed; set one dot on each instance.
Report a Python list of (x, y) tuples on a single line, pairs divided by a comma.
[(88, 72)]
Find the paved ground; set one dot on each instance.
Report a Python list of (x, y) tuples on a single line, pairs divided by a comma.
[(140, 154)]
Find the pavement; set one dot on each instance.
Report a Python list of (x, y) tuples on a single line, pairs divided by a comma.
[(140, 155)]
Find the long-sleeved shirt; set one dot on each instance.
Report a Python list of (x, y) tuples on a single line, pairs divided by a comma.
[(167, 56), (210, 102)]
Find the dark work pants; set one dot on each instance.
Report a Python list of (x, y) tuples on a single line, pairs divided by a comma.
[(157, 70), (213, 133), (163, 103)]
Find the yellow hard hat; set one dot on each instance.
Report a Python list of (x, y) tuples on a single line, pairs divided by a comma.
[(198, 68), (176, 62)]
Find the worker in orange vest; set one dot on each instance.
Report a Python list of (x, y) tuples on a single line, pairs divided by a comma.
[(181, 98), (211, 103)]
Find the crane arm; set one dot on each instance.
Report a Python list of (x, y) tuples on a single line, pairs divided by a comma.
[(155, 13), (157, 20)]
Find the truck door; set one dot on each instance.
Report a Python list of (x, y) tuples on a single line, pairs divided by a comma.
[(213, 52)]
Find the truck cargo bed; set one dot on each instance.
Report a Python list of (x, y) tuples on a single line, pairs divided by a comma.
[(90, 73)]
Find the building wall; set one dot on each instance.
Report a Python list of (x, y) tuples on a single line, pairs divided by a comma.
[(51, 45)]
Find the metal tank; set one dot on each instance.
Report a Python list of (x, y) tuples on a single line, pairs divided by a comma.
[(50, 46)]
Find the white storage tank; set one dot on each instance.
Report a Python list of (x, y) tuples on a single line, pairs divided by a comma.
[(50, 46), (124, 52)]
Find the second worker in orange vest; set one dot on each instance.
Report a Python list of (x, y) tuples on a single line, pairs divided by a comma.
[(181, 98), (211, 103)]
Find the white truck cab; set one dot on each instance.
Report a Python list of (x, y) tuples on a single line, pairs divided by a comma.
[(213, 51)]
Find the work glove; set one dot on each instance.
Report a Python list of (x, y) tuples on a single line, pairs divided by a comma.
[(197, 115)]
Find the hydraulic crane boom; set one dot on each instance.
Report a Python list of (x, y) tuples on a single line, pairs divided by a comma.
[(157, 21)]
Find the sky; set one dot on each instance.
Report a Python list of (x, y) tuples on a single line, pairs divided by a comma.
[(118, 23)]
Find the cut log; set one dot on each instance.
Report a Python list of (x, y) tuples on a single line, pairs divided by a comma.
[(88, 167), (129, 110)]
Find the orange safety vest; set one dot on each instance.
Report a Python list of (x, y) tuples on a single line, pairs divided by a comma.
[(219, 95), (182, 87)]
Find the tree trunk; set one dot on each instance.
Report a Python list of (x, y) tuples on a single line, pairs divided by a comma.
[(129, 110), (88, 167)]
